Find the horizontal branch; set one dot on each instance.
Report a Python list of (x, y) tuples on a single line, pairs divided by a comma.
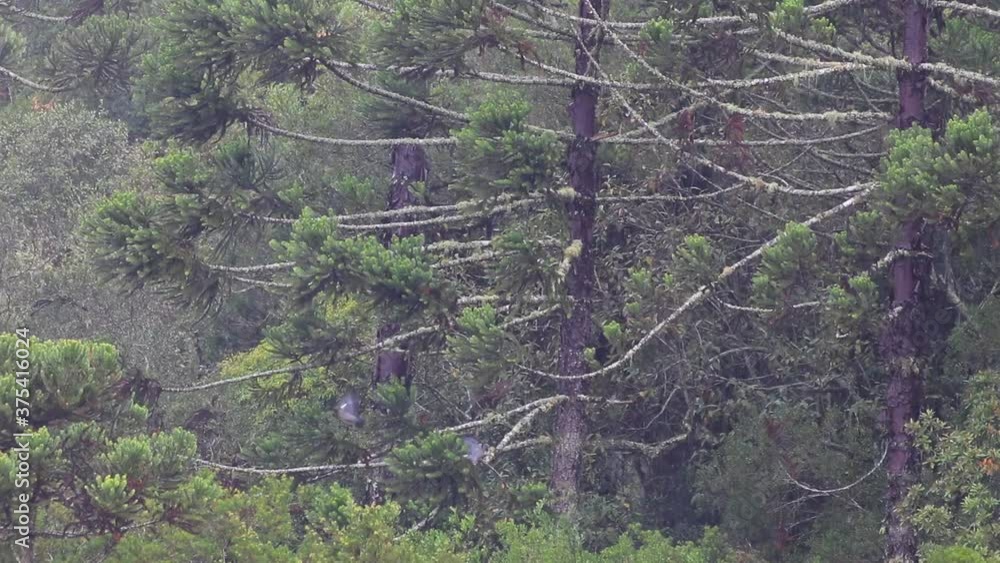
[(390, 95), (263, 283), (811, 11), (291, 470), (32, 84), (375, 6), (765, 310), (276, 266), (967, 8), (247, 377), (652, 451), (428, 141), (504, 208), (622, 139), (888, 62), (9, 5), (789, 77)]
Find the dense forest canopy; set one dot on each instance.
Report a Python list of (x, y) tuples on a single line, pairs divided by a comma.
[(500, 280)]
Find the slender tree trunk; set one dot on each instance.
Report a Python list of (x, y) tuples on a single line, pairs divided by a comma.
[(6, 93), (576, 331), (409, 165), (900, 341)]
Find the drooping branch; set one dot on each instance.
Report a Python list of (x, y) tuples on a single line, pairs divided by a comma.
[(32, 84), (276, 266), (242, 378), (292, 470), (631, 139), (504, 208), (652, 451), (962, 7), (428, 141), (9, 5), (811, 11), (390, 95), (814, 492), (375, 6)]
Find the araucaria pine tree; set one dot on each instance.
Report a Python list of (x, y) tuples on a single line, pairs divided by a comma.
[(517, 280)]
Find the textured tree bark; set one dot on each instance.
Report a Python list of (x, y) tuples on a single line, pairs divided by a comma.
[(409, 165), (576, 331), (902, 337)]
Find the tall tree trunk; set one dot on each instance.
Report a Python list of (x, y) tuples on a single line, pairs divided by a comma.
[(409, 165), (900, 340), (6, 92), (576, 331)]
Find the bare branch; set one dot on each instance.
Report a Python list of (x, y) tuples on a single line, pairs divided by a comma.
[(426, 141), (32, 84)]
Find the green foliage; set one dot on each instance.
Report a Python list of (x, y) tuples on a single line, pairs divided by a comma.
[(93, 465), (612, 330), (853, 308), (436, 34), (970, 43), (395, 119), (529, 262), (201, 205), (740, 409), (658, 30), (695, 261), (277, 520), (194, 81), (286, 40), (960, 501), (866, 237), (746, 481), (434, 468), (551, 541), (480, 344), (102, 53), (399, 275), (972, 345), (11, 45), (936, 180), (67, 379), (789, 15), (953, 554), (659, 39), (130, 245), (203, 194), (785, 267), (111, 496), (320, 331), (54, 164), (498, 154), (357, 192)]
